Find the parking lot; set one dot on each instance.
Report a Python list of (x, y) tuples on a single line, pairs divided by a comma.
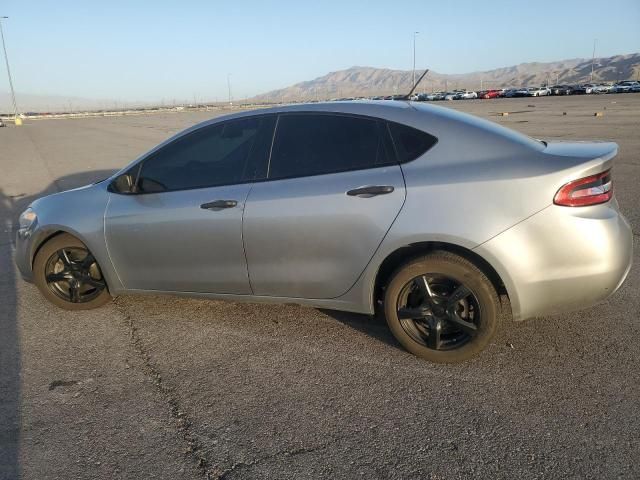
[(166, 387)]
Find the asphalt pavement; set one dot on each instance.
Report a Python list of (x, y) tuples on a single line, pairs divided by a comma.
[(166, 387)]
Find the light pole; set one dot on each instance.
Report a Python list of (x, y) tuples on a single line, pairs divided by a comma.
[(6, 60), (414, 59), (229, 86), (593, 57)]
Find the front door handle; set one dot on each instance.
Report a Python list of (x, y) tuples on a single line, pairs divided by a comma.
[(370, 191), (219, 204)]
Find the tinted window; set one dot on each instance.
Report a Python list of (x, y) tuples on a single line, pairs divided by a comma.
[(223, 154), (410, 143), (313, 144)]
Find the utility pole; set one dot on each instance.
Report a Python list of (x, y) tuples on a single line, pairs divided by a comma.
[(593, 57), (6, 60), (413, 82), (229, 86)]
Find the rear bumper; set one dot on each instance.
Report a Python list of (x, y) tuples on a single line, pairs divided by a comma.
[(562, 258)]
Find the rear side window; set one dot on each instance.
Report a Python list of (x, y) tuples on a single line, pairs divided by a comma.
[(222, 154), (410, 142), (315, 144)]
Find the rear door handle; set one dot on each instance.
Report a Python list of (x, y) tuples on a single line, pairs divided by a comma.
[(370, 191), (219, 204)]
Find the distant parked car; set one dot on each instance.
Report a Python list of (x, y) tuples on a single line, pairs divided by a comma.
[(510, 92), (578, 90), (492, 94), (602, 88), (626, 87), (521, 92), (452, 96), (590, 88), (435, 96), (539, 91), (467, 95), (561, 90), (1, 123)]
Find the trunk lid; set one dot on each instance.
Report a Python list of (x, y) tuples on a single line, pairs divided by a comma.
[(584, 150), (579, 159)]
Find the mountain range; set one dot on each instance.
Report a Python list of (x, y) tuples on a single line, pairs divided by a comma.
[(367, 81)]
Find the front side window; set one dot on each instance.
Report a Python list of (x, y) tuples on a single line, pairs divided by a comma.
[(315, 144), (231, 152)]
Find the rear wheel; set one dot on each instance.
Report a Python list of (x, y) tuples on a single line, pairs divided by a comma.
[(441, 307), (68, 275)]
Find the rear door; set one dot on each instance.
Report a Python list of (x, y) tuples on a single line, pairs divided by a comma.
[(333, 190)]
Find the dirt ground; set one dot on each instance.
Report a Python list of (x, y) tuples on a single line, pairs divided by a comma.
[(164, 387)]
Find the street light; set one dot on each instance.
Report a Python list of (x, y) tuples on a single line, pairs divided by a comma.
[(6, 60), (414, 59), (229, 86), (593, 57)]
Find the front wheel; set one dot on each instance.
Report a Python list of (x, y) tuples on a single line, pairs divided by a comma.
[(68, 275), (441, 307)]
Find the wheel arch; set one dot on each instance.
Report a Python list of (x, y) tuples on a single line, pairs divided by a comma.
[(408, 252), (46, 235), (42, 240)]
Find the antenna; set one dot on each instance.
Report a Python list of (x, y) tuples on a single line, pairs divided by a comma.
[(408, 95)]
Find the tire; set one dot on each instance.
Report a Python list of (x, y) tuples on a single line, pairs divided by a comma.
[(92, 289), (442, 266)]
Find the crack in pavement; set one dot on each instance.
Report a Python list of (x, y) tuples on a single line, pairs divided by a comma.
[(194, 448), (287, 453)]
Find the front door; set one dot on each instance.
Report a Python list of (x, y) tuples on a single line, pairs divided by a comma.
[(182, 231)]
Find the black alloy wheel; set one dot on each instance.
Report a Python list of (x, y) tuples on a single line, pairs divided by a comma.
[(68, 275), (441, 307), (438, 312), (73, 275)]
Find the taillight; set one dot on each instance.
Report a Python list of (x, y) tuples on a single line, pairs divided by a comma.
[(590, 190)]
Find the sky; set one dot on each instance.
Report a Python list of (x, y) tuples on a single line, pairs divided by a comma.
[(183, 49)]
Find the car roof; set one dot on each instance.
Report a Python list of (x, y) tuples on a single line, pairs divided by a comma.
[(432, 118)]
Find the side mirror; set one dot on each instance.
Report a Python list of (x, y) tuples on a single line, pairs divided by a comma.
[(124, 184)]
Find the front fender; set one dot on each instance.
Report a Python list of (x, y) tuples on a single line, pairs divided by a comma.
[(78, 212)]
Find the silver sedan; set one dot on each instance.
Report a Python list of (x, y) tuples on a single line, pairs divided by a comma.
[(426, 215)]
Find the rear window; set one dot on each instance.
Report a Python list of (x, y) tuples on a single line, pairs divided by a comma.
[(410, 142)]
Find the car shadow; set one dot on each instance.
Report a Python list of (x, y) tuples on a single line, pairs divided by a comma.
[(10, 354), (373, 325), (10, 360)]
